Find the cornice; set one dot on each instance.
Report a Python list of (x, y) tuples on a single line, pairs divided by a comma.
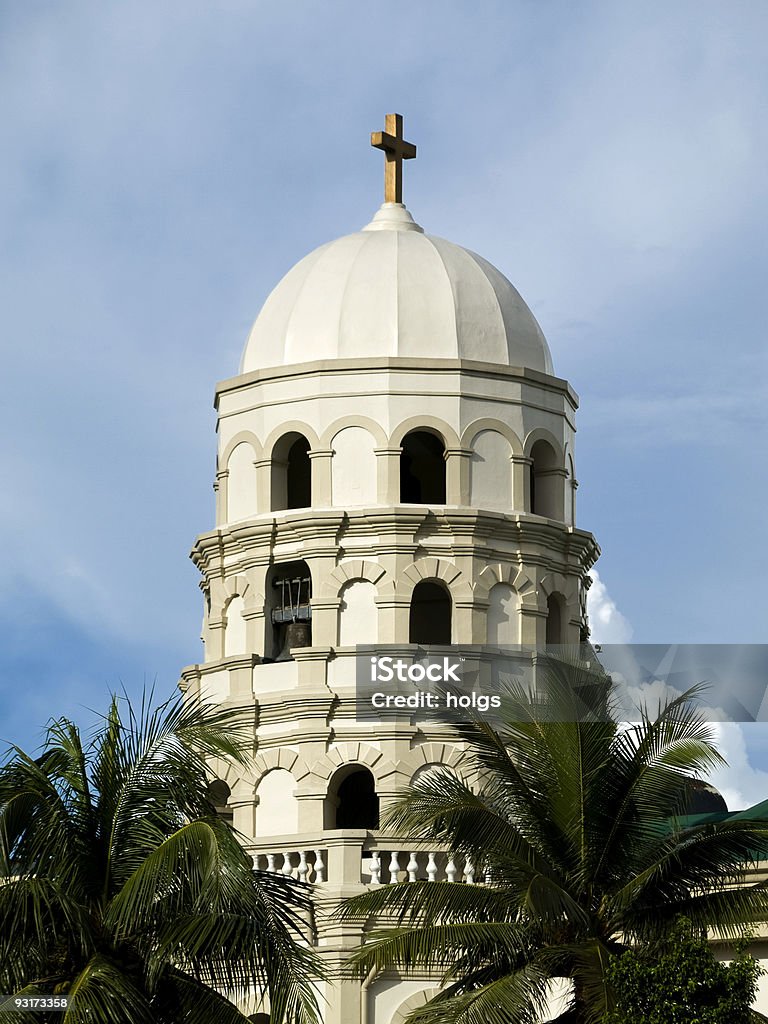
[(435, 368), (391, 530)]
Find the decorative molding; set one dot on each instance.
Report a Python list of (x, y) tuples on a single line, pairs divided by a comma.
[(279, 757)]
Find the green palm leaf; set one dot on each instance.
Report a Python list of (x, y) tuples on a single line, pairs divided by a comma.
[(122, 888), (577, 820)]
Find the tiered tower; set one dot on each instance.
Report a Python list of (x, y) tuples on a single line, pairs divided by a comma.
[(395, 466)]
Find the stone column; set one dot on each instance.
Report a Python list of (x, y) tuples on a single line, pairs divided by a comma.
[(463, 622), (388, 475), (311, 802), (325, 621), (254, 611), (574, 486), (533, 625), (220, 490), (457, 462), (521, 483), (263, 485), (394, 617), (322, 485)]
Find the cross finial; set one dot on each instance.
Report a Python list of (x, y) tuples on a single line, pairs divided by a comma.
[(396, 150)]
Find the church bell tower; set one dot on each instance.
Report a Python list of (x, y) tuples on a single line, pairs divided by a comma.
[(395, 466)]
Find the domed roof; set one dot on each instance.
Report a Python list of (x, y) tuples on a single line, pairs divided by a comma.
[(391, 290), (703, 798)]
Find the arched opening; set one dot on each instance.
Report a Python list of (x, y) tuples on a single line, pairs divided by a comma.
[(291, 473), (288, 612), (555, 619), (430, 616), (546, 481), (352, 801), (422, 469)]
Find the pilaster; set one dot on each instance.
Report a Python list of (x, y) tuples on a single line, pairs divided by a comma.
[(388, 475), (320, 459)]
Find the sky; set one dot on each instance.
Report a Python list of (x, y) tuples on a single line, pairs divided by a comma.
[(163, 165)]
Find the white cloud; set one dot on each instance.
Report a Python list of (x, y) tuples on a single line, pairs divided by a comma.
[(741, 784), (607, 623)]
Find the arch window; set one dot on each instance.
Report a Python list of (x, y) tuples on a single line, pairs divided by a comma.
[(291, 473), (430, 614), (288, 610), (422, 469), (546, 481), (352, 800), (555, 633)]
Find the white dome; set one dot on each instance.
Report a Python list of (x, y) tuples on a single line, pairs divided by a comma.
[(391, 290)]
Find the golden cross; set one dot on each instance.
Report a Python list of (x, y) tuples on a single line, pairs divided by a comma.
[(396, 149)]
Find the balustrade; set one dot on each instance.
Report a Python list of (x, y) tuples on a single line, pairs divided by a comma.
[(387, 868), (335, 862), (303, 865)]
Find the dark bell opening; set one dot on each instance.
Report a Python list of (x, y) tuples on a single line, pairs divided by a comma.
[(299, 475), (430, 616), (422, 469), (358, 803)]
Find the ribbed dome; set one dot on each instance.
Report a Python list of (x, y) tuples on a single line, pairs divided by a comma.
[(391, 290)]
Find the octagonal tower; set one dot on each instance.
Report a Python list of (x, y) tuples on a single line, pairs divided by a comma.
[(395, 466)]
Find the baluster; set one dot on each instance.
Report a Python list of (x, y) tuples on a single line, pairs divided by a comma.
[(271, 862), (394, 867), (287, 867), (412, 867), (319, 866), (375, 868), (469, 871), (431, 868), (303, 868), (450, 869)]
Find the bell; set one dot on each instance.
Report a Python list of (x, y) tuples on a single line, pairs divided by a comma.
[(297, 634)]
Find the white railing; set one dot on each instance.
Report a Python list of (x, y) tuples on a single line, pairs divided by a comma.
[(303, 865), (385, 867), (355, 856)]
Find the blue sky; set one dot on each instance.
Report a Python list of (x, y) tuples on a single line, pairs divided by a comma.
[(164, 164)]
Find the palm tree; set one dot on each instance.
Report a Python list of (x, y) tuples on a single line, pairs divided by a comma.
[(579, 823), (121, 887)]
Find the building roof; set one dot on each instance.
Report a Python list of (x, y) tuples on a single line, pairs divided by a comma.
[(392, 290)]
